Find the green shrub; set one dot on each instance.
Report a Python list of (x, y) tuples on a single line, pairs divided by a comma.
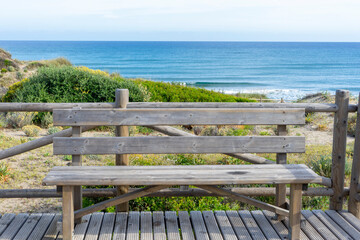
[(323, 165), (31, 130), (8, 62), (19, 75), (4, 70), (70, 84), (19, 119), (4, 172), (46, 120), (53, 130), (351, 127), (11, 69), (167, 92)]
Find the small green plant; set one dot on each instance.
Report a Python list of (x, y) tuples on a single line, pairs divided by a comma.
[(19, 119), (4, 70), (351, 127), (144, 130), (31, 130), (53, 130), (11, 69), (4, 172), (309, 118), (7, 63), (264, 133), (19, 75), (323, 165), (46, 120), (67, 157)]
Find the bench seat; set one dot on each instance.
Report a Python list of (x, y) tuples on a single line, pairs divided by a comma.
[(182, 175)]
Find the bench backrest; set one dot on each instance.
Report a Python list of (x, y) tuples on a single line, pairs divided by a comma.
[(178, 144)]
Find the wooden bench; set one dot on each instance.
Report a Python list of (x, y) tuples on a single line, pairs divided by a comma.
[(160, 177)]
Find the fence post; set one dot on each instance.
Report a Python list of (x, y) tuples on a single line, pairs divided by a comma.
[(121, 100), (339, 149), (354, 204), (76, 160), (281, 158)]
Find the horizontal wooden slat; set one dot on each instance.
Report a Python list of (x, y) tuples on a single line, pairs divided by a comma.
[(159, 145), (181, 175), (177, 116), (49, 107)]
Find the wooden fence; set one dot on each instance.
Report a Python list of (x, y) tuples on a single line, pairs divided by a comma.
[(334, 186)]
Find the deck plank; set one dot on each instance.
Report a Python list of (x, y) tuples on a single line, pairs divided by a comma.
[(107, 226), (207, 225), (212, 226), (185, 226), (251, 225), (172, 225), (14, 226), (278, 226), (146, 226), (133, 226), (43, 224), (199, 225), (52, 231), (330, 224), (5, 221), (159, 225), (336, 217), (318, 225), (265, 225), (28, 226), (120, 226), (351, 219), (81, 228), (307, 231), (238, 225), (225, 225), (94, 226)]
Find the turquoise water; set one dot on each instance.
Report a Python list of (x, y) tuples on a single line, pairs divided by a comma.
[(279, 69)]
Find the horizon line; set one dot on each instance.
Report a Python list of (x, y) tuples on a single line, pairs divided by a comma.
[(259, 41)]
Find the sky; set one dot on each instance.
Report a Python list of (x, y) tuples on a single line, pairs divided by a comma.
[(181, 20)]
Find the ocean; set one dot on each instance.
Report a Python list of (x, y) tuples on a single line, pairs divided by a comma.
[(286, 70)]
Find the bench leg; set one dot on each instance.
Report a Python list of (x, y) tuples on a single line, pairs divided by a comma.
[(295, 210), (68, 212)]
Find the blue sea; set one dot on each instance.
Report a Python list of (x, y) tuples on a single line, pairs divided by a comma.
[(286, 70)]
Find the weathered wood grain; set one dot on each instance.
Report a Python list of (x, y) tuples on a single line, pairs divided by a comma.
[(176, 116), (49, 107), (251, 225), (28, 226), (120, 226), (244, 199), (225, 225), (172, 226), (185, 226), (295, 211), (107, 227), (199, 226), (181, 175), (339, 149), (146, 226), (117, 200), (238, 225), (354, 204), (212, 226), (121, 100), (159, 225), (165, 145), (68, 212)]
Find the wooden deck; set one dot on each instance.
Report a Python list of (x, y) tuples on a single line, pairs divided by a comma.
[(208, 225)]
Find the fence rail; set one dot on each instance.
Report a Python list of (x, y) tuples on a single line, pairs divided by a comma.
[(334, 186)]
